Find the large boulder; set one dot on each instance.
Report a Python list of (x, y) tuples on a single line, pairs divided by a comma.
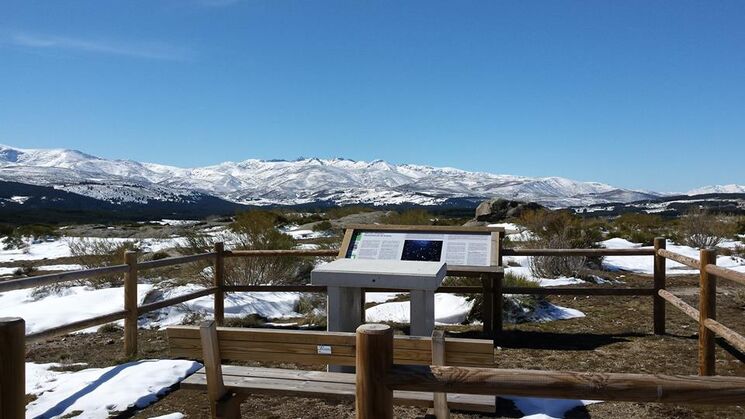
[(499, 209)]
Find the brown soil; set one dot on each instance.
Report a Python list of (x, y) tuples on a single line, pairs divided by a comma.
[(615, 336)]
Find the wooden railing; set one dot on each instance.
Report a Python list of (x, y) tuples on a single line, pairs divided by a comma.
[(705, 315), (377, 378)]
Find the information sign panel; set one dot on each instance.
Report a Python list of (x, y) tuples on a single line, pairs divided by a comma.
[(453, 248)]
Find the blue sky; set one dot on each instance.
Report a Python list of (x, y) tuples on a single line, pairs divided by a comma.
[(641, 94)]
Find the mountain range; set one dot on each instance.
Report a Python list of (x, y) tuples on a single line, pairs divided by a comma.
[(304, 181)]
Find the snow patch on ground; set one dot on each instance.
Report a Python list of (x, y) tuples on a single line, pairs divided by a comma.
[(524, 271), (515, 232), (453, 309), (7, 271), (645, 264), (79, 302), (535, 408), (99, 392), (381, 297), (61, 267), (177, 415), (61, 247)]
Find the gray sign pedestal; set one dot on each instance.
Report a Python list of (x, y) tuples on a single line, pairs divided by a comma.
[(346, 278)]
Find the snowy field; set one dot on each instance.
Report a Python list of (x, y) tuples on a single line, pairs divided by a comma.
[(99, 392)]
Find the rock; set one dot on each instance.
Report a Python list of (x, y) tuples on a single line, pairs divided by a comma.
[(499, 209)]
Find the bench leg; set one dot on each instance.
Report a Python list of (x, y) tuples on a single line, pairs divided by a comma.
[(229, 407)]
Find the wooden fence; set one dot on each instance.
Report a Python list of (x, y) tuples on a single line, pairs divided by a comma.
[(705, 315), (377, 378)]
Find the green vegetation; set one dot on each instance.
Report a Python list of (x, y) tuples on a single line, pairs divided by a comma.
[(703, 229), (641, 228), (340, 212), (324, 225), (96, 253), (560, 230), (409, 217), (15, 237), (510, 306)]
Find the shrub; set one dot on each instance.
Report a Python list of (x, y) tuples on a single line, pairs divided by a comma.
[(640, 228), (510, 280), (313, 310), (14, 242), (251, 320), (254, 230), (109, 328), (560, 230), (96, 253), (339, 212), (324, 225), (409, 217), (159, 255), (702, 229)]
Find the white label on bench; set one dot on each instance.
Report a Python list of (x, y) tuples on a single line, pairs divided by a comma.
[(324, 349)]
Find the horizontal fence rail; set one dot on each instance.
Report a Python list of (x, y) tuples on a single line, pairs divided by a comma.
[(579, 252), (178, 260), (293, 252), (679, 304), (377, 378), (685, 260), (725, 273), (570, 385), (50, 279), (146, 308), (76, 326)]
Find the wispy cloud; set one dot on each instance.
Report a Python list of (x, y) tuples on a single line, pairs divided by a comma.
[(148, 50)]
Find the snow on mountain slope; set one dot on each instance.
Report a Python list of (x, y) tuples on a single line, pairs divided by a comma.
[(302, 181), (731, 188)]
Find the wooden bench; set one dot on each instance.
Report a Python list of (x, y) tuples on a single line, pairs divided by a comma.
[(228, 385)]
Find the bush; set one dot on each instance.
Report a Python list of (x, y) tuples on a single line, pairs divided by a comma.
[(560, 230), (254, 230), (508, 302), (251, 320), (409, 217), (703, 230), (324, 225), (96, 253), (339, 212), (640, 228), (313, 309)]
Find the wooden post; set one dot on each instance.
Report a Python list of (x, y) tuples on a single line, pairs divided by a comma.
[(438, 358), (219, 282), (707, 309), (130, 304), (497, 284), (374, 357), (12, 368), (497, 289), (659, 284), (487, 305), (223, 404)]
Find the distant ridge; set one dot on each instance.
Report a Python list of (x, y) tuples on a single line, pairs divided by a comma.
[(303, 181)]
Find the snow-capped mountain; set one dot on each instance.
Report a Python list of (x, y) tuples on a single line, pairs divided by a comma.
[(731, 188), (302, 181)]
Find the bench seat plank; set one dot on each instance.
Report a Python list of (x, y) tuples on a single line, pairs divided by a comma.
[(324, 385)]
